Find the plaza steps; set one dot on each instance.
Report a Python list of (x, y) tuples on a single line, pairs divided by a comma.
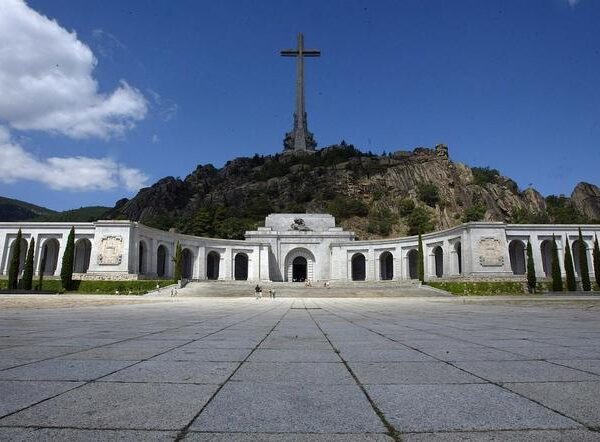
[(341, 289)]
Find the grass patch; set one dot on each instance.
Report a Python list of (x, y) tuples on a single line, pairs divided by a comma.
[(101, 287), (483, 288)]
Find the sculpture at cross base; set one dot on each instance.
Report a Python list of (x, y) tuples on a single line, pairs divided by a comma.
[(300, 138)]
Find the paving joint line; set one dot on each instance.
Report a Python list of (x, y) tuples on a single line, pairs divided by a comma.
[(185, 430)]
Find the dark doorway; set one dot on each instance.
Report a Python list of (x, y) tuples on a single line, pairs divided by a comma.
[(299, 269), (241, 267), (516, 252), (161, 261), (386, 264), (187, 270), (359, 272), (212, 265), (438, 254), (412, 264)]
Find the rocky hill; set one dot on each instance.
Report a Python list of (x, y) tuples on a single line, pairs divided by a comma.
[(375, 195), (16, 210)]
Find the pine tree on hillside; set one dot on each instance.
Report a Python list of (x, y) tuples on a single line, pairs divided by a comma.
[(420, 262), (531, 279), (569, 268), (66, 271), (27, 282), (557, 283), (584, 270), (596, 256), (15, 262), (178, 262)]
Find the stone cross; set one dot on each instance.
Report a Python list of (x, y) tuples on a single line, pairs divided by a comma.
[(300, 138)]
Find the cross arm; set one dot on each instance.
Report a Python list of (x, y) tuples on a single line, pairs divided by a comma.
[(311, 53), (289, 53)]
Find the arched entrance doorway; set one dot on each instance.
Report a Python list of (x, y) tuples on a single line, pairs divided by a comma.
[(386, 266), (412, 256), (458, 253), (438, 257), (161, 261), (142, 258), (213, 260), (299, 265), (50, 250), (358, 266), (299, 269), (83, 250), (187, 269), (546, 251), (516, 253), (240, 270)]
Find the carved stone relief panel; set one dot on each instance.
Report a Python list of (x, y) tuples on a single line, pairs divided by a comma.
[(490, 252), (111, 250)]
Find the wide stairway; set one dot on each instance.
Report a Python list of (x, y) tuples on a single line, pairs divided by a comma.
[(337, 289)]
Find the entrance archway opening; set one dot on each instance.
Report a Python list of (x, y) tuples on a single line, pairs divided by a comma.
[(546, 251), (458, 251), (386, 266), (50, 250), (299, 269), (22, 254), (142, 259), (240, 270), (188, 263), (438, 255), (83, 250), (359, 271), (212, 265), (516, 252), (161, 261), (412, 256)]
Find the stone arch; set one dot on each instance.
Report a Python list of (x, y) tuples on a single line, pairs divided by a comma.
[(142, 257), (546, 252), (412, 263), (240, 267), (187, 267), (50, 250), (438, 260), (83, 251), (213, 261), (386, 266), (358, 267), (576, 262), (291, 264), (516, 253), (22, 254), (161, 261), (458, 257)]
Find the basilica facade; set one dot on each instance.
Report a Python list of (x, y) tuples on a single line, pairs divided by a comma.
[(294, 247)]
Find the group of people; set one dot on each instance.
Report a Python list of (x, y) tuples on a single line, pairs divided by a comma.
[(258, 292)]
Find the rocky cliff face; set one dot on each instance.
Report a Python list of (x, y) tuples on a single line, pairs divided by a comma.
[(374, 195)]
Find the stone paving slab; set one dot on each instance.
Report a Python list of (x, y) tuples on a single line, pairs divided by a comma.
[(175, 372), (191, 352), (422, 408), (289, 408), (293, 355), (118, 406), (71, 435), (63, 370), (312, 373), (590, 365), (508, 436), (410, 373), (578, 400), (16, 395), (285, 437)]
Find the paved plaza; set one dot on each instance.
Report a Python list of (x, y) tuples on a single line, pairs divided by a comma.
[(414, 369)]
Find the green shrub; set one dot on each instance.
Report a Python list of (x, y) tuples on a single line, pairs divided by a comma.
[(474, 213), (381, 221), (66, 271), (584, 271), (406, 206), (557, 283), (343, 207), (419, 221), (428, 193), (531, 279), (484, 175)]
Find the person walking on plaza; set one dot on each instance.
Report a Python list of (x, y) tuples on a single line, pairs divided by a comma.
[(258, 291), (272, 293)]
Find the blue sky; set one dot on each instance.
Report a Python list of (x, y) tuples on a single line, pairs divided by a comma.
[(510, 84)]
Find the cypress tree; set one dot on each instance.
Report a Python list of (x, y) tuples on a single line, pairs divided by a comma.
[(557, 284), (596, 256), (178, 261), (28, 269), (13, 270), (420, 262), (42, 268), (66, 271), (531, 280), (584, 270), (569, 269)]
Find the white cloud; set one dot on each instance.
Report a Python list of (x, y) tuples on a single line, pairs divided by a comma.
[(47, 84), (165, 108), (106, 43), (74, 173), (573, 3), (155, 139)]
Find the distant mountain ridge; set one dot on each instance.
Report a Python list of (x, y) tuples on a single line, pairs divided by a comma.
[(13, 210)]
